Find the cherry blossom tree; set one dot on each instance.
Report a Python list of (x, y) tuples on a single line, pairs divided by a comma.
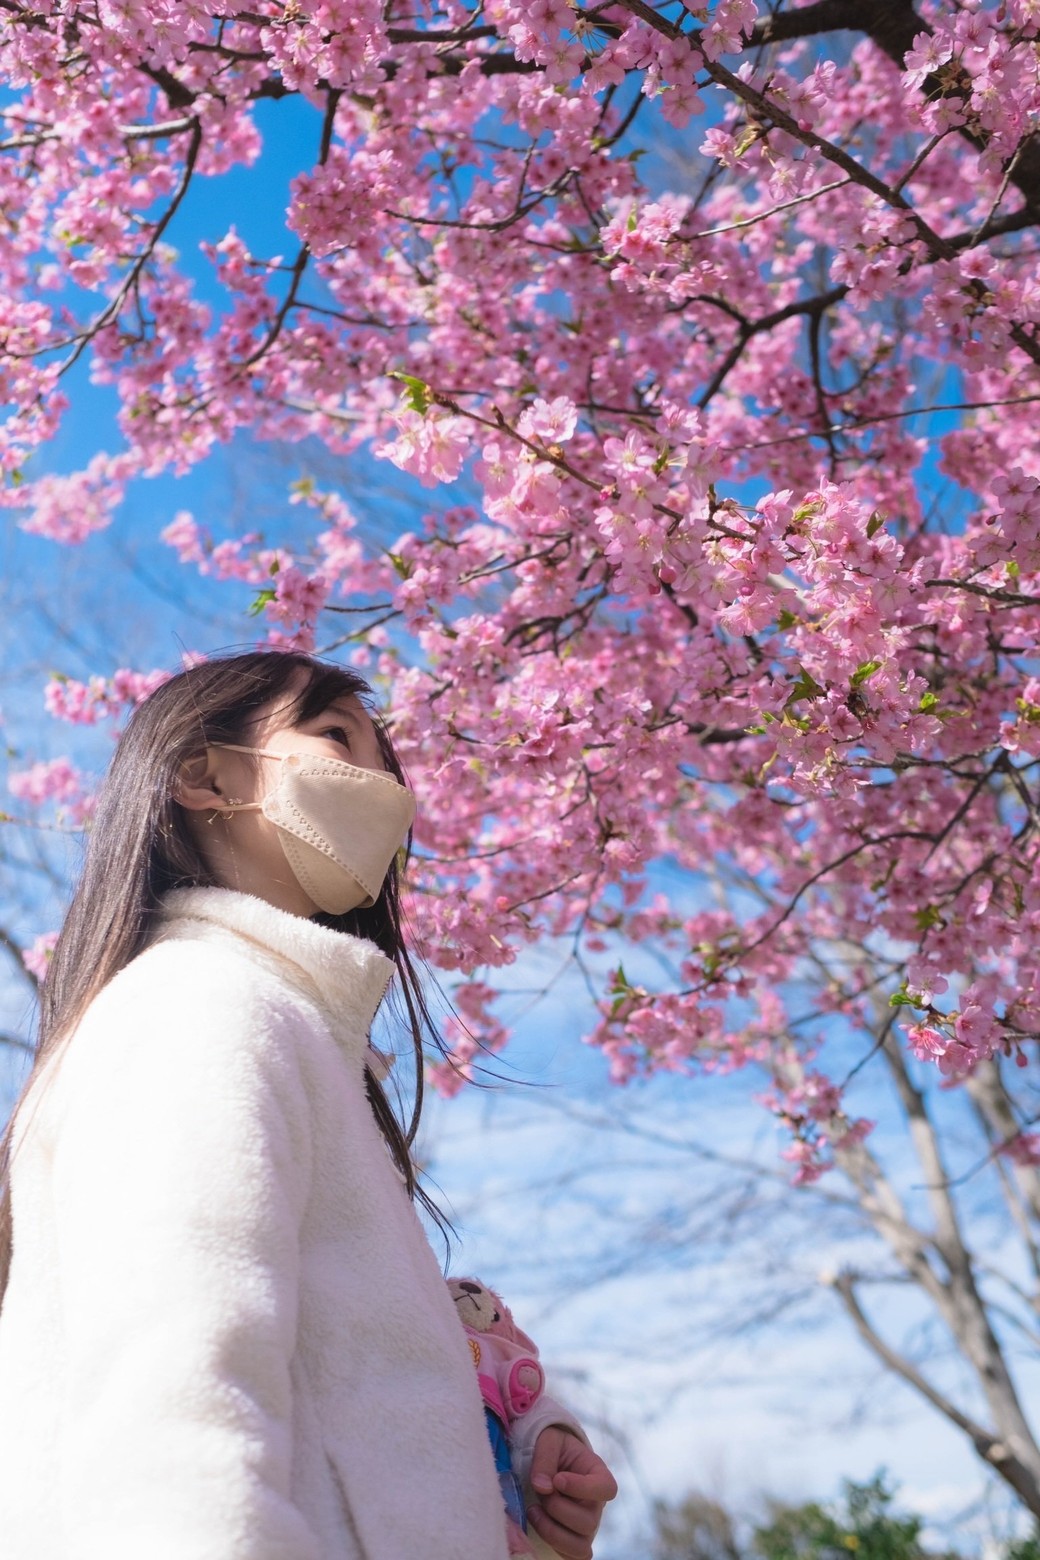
[(690, 600)]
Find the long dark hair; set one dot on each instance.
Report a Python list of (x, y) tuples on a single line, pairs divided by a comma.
[(141, 846)]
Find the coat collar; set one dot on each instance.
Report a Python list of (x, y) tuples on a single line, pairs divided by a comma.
[(349, 974)]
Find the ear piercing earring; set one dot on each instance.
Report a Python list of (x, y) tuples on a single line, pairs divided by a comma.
[(230, 802)]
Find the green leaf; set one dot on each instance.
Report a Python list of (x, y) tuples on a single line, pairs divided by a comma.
[(928, 702), (262, 598), (621, 986), (929, 917), (1013, 569), (863, 672), (401, 564), (417, 394), (633, 221), (875, 523), (805, 688), (785, 619)]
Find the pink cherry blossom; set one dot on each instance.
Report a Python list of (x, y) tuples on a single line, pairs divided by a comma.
[(36, 957), (55, 780), (1024, 1148), (552, 421), (684, 588)]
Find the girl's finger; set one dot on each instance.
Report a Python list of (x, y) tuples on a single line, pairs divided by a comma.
[(599, 1486), (568, 1544)]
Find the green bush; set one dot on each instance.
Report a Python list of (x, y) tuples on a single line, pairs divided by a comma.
[(861, 1525)]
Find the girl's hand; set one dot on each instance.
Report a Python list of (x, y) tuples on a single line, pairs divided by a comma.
[(573, 1485)]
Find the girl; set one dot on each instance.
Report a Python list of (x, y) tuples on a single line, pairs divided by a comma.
[(224, 1335)]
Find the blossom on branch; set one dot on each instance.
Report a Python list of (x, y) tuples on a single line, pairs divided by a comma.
[(728, 578)]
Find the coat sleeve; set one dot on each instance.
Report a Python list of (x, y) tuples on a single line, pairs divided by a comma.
[(526, 1428), (180, 1174)]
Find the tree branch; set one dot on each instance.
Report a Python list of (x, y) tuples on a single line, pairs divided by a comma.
[(10, 946), (992, 1450), (17, 1043), (893, 25), (989, 1095)]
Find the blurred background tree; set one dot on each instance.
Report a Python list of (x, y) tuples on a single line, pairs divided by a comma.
[(864, 1523)]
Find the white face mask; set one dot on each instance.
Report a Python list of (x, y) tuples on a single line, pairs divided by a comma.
[(339, 826)]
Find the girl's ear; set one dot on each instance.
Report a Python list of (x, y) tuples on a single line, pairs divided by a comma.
[(197, 786)]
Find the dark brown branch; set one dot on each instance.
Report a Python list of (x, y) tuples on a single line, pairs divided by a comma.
[(112, 308), (893, 25), (300, 263), (1011, 598), (457, 35), (749, 328), (769, 112), (825, 16), (177, 95), (10, 946)]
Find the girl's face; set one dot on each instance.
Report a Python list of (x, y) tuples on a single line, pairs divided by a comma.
[(242, 849), (343, 730)]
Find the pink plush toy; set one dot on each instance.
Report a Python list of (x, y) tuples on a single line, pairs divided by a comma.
[(511, 1382)]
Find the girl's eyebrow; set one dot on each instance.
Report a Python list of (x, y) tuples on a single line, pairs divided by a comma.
[(341, 707)]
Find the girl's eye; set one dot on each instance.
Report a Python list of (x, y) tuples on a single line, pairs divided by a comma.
[(337, 733)]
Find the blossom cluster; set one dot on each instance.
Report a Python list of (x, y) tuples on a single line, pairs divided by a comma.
[(99, 698), (55, 780), (678, 594)]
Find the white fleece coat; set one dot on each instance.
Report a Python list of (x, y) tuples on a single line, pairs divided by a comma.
[(225, 1335)]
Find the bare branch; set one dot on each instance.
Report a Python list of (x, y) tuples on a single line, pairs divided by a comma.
[(17, 1043), (12, 947), (989, 1094), (990, 1447)]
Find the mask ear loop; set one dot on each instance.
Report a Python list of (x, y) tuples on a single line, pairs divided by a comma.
[(234, 803), (237, 747)]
